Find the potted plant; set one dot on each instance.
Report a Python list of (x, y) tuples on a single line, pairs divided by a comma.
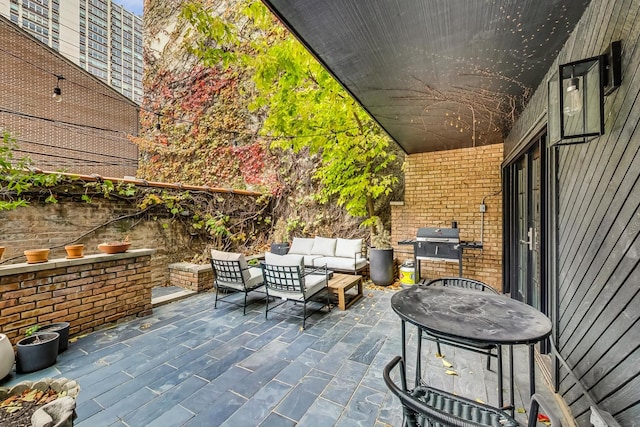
[(45, 402), (115, 247), (381, 257), (62, 328), (281, 239), (74, 251), (6, 356), (35, 256), (37, 350)]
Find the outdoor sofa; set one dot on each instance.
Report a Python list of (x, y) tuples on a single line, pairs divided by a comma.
[(342, 255)]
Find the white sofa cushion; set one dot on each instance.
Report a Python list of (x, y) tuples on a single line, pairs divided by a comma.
[(313, 284), (323, 246), (247, 274), (308, 259), (348, 248), (289, 260), (301, 246), (339, 263)]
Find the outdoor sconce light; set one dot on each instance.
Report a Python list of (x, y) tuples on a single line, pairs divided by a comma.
[(57, 92), (575, 112)]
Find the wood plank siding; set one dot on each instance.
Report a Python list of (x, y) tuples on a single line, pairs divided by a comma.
[(596, 249)]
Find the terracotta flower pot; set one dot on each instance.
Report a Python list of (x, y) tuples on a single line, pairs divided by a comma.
[(74, 251), (114, 247), (35, 256)]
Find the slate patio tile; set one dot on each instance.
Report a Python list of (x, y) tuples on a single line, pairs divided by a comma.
[(96, 389), (114, 413), (321, 413), (216, 369), (116, 394), (176, 416), (164, 402), (258, 407), (303, 395), (277, 420), (266, 354), (203, 398), (253, 382), (368, 348), (332, 361), (217, 411), (363, 408)]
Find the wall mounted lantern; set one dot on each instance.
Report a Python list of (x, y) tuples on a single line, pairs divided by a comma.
[(575, 112), (57, 92)]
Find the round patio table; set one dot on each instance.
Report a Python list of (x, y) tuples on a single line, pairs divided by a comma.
[(473, 316)]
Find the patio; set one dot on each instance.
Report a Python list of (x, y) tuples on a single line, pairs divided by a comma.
[(191, 365)]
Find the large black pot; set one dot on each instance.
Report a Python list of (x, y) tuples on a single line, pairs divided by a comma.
[(279, 248), (37, 352), (63, 329), (381, 266)]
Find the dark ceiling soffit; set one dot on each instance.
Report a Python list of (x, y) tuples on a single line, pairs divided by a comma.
[(297, 35)]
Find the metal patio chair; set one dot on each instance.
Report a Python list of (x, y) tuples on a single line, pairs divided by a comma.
[(426, 406), (487, 349), (295, 283), (232, 273)]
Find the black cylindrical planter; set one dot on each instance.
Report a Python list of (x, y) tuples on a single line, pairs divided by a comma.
[(279, 248), (381, 266), (63, 329), (37, 352)]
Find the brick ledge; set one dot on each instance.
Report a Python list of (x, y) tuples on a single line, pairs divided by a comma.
[(6, 270)]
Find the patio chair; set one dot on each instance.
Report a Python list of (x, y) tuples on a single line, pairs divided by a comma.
[(426, 406), (487, 349), (232, 273), (287, 278)]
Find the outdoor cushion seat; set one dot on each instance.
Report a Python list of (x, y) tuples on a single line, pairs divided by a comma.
[(232, 273), (337, 254), (285, 277), (337, 263)]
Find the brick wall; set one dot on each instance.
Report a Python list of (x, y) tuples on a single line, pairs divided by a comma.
[(446, 186), (85, 133), (194, 277), (88, 292)]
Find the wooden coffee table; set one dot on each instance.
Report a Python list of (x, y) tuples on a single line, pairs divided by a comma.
[(340, 283)]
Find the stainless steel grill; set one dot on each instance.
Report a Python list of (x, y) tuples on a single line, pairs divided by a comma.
[(437, 244)]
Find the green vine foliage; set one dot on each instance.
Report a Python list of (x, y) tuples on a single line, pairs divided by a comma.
[(223, 220), (17, 177), (304, 107)]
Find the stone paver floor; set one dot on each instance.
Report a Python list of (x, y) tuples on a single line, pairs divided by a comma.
[(189, 364)]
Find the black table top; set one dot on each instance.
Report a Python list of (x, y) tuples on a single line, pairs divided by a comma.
[(483, 317)]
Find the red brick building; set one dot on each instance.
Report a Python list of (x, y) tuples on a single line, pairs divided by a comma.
[(87, 132)]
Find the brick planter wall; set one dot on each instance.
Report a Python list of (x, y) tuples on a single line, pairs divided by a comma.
[(195, 277), (88, 293)]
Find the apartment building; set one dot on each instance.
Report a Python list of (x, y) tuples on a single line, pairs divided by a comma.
[(98, 35)]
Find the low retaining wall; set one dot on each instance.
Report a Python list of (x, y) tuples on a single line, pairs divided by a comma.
[(194, 277), (87, 292)]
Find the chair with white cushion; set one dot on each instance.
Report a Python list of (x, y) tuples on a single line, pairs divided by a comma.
[(232, 273), (285, 277)]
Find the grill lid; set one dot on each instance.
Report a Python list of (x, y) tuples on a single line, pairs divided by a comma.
[(433, 234)]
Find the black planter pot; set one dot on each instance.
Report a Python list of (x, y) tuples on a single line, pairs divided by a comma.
[(381, 266), (37, 352), (279, 248), (61, 328)]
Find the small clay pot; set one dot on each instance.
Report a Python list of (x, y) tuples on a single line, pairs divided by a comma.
[(74, 251), (35, 256), (114, 247), (1, 251)]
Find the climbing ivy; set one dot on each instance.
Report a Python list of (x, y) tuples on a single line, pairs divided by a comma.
[(304, 107)]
